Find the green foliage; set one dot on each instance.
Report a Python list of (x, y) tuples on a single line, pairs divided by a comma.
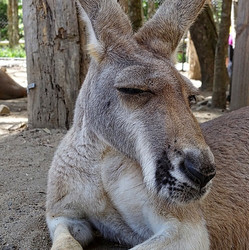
[(18, 51), (146, 6), (20, 18), (145, 9), (3, 20), (217, 8), (181, 57)]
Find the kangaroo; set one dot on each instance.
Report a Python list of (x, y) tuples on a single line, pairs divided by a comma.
[(135, 164), (225, 209), (9, 89)]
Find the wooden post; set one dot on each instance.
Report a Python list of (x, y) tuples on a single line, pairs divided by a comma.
[(55, 61), (240, 79)]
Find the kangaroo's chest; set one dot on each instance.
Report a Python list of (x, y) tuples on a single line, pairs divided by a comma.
[(128, 197), (131, 215)]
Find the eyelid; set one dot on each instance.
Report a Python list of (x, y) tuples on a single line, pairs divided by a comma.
[(133, 91), (130, 91)]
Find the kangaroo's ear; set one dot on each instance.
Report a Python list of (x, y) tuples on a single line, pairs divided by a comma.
[(106, 24), (164, 31)]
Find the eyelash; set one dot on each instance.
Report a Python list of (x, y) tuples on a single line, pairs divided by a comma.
[(133, 91)]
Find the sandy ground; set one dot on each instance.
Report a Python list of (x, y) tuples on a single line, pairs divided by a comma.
[(25, 156)]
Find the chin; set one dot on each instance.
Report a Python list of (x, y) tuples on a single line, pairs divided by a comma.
[(183, 193)]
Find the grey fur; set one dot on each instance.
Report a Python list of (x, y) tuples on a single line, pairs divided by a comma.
[(117, 141)]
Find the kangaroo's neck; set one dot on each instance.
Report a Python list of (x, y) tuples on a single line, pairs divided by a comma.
[(87, 143)]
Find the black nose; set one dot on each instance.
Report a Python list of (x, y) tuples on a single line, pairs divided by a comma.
[(201, 178)]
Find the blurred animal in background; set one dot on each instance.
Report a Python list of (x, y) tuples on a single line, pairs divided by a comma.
[(10, 89)]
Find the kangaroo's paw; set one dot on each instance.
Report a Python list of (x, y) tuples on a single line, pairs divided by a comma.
[(63, 240)]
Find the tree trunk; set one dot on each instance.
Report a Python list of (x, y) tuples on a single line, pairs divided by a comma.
[(136, 13), (194, 65), (13, 29), (124, 4), (234, 13), (240, 87), (151, 8), (204, 36), (221, 79), (55, 61)]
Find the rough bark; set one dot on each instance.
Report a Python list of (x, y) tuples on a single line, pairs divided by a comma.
[(204, 36), (13, 28), (240, 86), (234, 13), (55, 61), (221, 78), (194, 65), (136, 13)]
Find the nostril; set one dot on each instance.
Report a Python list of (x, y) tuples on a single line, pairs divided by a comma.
[(190, 171)]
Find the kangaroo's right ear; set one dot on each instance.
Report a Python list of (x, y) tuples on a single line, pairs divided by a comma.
[(106, 24), (162, 34)]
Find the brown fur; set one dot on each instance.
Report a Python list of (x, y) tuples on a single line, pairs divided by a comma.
[(135, 164), (9, 89), (226, 208)]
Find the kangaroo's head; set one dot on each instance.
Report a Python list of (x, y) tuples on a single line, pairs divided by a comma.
[(136, 101)]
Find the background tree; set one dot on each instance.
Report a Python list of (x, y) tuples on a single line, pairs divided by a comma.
[(240, 86), (13, 31), (220, 73), (194, 65), (124, 4), (3, 20), (56, 61), (204, 35), (151, 9), (136, 13), (56, 58)]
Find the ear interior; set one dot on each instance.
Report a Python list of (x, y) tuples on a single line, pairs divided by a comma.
[(94, 47), (95, 52)]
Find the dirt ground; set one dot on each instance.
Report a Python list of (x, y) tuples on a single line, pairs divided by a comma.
[(25, 156)]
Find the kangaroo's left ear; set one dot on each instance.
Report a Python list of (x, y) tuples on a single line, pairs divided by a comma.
[(164, 31), (106, 24)]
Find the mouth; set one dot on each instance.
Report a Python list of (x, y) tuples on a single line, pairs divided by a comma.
[(183, 193), (184, 178)]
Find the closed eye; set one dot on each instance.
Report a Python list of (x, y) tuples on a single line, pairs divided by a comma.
[(192, 100), (132, 91)]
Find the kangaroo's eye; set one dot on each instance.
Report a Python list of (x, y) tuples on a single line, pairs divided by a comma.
[(131, 91), (192, 100)]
